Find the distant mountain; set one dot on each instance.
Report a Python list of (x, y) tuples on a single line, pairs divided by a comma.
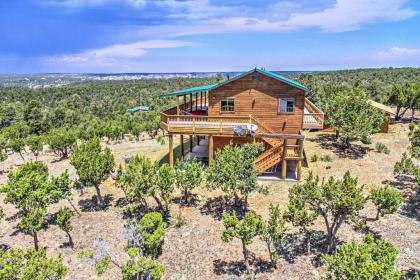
[(57, 80)]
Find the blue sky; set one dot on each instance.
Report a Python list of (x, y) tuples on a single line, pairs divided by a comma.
[(109, 36)]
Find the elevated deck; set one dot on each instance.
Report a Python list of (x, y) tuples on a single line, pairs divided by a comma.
[(313, 117), (178, 120)]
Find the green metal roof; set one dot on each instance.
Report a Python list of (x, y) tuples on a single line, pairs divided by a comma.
[(210, 87), (189, 90), (138, 108)]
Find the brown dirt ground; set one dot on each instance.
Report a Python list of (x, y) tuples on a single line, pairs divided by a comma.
[(195, 250)]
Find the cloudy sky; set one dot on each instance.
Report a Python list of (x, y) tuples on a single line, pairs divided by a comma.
[(109, 36)]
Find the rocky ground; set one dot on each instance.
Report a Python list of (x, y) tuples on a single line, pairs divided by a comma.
[(195, 250)]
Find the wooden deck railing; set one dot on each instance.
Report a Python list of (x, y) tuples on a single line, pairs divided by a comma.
[(190, 124), (313, 117)]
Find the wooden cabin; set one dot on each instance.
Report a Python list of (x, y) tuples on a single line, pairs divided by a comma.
[(387, 111), (258, 105)]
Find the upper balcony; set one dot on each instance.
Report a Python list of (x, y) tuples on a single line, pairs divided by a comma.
[(195, 121), (191, 118)]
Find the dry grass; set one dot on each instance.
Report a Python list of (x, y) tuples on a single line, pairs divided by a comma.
[(195, 250)]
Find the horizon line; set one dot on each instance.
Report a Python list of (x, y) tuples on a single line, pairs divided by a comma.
[(206, 72)]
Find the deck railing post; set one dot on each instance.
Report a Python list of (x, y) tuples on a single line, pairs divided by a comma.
[(177, 104)]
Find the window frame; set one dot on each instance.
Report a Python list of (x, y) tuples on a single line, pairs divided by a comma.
[(226, 98), (286, 98)]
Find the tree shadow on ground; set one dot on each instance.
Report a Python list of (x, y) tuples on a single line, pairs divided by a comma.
[(328, 142), (15, 232), (138, 210), (91, 204), (193, 200), (215, 207), (14, 217), (409, 274), (65, 245), (230, 268), (257, 265), (121, 202), (4, 247), (262, 265), (294, 245), (411, 192), (49, 219), (58, 159)]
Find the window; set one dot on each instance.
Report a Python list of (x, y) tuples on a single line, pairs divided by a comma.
[(287, 105), (227, 105)]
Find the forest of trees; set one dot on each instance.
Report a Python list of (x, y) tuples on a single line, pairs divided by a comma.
[(57, 116), (73, 120)]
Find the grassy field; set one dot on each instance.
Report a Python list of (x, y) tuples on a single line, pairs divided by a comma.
[(195, 250)]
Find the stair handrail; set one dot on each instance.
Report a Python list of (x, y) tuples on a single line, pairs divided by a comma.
[(311, 105), (260, 124), (268, 153)]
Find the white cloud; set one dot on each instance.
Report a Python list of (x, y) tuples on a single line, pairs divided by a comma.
[(348, 15), (204, 18), (398, 52), (94, 3), (114, 53)]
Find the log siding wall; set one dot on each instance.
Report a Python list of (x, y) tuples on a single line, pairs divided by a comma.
[(260, 97)]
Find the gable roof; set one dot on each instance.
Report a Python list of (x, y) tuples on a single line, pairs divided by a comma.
[(381, 107), (214, 86)]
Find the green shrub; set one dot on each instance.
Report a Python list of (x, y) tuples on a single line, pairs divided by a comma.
[(102, 264), (314, 158), (23, 264), (152, 228), (180, 220), (382, 148), (85, 253), (366, 140), (372, 259), (386, 199), (326, 158)]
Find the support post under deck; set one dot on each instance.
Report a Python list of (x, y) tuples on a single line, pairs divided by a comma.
[(299, 170), (210, 149), (181, 140), (284, 162), (191, 143), (171, 150)]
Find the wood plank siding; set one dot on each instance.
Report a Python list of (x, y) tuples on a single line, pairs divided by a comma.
[(259, 95), (251, 98)]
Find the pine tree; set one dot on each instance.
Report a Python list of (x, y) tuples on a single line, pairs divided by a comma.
[(234, 172), (63, 221), (93, 165), (272, 233), (245, 230), (188, 176)]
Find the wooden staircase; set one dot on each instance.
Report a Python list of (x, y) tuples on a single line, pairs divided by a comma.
[(271, 156)]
